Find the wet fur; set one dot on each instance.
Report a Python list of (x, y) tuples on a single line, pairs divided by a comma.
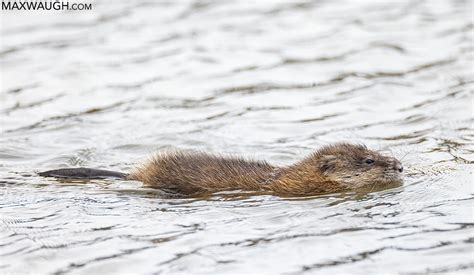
[(197, 172), (333, 168)]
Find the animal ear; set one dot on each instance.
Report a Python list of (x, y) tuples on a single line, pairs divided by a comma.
[(327, 163)]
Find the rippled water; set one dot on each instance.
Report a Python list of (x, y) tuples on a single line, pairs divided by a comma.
[(271, 80)]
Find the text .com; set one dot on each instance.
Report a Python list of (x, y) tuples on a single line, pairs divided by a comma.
[(44, 5)]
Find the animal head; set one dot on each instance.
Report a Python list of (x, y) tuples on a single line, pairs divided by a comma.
[(356, 166)]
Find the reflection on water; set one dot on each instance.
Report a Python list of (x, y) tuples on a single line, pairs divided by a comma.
[(271, 80)]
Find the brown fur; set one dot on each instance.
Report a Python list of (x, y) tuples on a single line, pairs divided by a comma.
[(331, 169), (196, 172)]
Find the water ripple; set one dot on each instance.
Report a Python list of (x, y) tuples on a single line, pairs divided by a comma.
[(271, 80)]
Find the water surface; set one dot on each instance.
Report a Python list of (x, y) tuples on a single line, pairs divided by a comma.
[(271, 80)]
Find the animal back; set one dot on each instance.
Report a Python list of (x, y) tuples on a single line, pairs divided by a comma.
[(195, 172)]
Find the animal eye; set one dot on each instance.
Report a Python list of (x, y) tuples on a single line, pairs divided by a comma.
[(369, 161)]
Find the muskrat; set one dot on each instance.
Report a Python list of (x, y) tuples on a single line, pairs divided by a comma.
[(333, 168)]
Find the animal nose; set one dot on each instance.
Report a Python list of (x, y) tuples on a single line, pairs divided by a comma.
[(398, 167)]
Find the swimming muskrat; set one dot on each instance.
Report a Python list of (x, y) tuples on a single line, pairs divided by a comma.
[(332, 168)]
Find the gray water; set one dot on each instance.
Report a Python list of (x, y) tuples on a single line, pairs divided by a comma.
[(270, 80)]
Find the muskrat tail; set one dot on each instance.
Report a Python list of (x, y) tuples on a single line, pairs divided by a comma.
[(83, 173)]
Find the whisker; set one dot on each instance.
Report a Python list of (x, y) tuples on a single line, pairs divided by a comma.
[(406, 154), (373, 187)]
